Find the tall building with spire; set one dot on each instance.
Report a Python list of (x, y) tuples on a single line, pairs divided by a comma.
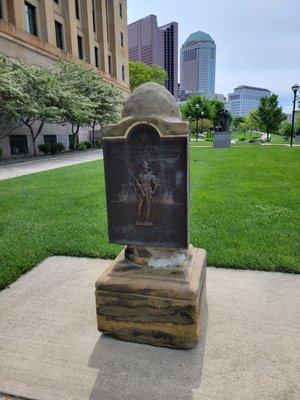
[(154, 45), (197, 65)]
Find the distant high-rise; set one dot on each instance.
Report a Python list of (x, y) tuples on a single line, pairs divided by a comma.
[(145, 41), (155, 45), (170, 32), (244, 99), (197, 65)]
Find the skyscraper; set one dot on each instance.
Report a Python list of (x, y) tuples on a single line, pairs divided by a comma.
[(170, 32), (145, 41), (197, 65), (155, 45)]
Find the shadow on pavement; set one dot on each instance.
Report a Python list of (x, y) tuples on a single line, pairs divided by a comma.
[(135, 371)]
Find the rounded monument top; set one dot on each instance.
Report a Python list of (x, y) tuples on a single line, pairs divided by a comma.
[(151, 99)]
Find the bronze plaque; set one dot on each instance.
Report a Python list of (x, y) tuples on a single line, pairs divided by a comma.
[(146, 188)]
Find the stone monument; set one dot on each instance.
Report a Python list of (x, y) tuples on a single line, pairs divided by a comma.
[(154, 291), (222, 137)]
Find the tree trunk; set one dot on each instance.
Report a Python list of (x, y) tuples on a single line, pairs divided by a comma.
[(93, 135), (75, 130), (37, 134), (33, 138), (29, 126)]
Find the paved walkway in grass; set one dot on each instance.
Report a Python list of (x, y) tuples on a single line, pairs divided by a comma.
[(50, 347), (44, 164)]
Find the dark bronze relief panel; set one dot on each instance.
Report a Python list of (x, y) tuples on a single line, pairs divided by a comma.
[(146, 188)]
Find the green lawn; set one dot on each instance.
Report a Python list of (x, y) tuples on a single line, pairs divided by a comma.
[(244, 211), (275, 139)]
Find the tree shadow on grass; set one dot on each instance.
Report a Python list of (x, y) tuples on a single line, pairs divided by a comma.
[(131, 371)]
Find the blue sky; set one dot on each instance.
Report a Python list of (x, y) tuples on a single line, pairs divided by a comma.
[(258, 41)]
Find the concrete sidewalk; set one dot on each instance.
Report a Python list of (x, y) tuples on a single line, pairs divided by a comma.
[(47, 163), (50, 348)]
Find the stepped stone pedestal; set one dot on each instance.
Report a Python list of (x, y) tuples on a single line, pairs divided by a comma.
[(161, 306)]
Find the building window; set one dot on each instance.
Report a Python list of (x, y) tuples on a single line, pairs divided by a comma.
[(80, 47), (109, 65), (59, 35), (189, 55), (56, 1), (30, 19), (96, 57), (1, 10), (123, 73), (77, 9), (50, 139), (71, 141), (108, 5), (18, 144), (94, 15), (121, 10), (122, 39)]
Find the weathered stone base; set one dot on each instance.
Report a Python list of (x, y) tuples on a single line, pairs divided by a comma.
[(157, 306)]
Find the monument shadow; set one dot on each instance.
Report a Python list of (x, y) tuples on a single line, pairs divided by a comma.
[(132, 371)]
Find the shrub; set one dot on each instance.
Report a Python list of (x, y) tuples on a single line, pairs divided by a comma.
[(241, 138), (59, 147), (56, 148), (81, 146), (44, 148), (88, 144)]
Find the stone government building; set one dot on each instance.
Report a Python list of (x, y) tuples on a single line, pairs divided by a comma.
[(37, 32)]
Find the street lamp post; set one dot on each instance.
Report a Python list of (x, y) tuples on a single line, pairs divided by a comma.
[(197, 120), (190, 118), (295, 89), (202, 116)]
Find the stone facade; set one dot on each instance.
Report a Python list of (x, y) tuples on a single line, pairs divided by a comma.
[(57, 27)]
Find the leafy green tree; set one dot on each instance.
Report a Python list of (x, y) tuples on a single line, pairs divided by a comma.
[(44, 105), (236, 123), (269, 115), (87, 100), (297, 126), (77, 108), (216, 108), (12, 96), (29, 96), (71, 94), (107, 100), (140, 73), (286, 128), (198, 107), (250, 122), (195, 108), (205, 125)]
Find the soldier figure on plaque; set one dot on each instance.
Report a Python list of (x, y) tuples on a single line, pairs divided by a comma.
[(145, 187)]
